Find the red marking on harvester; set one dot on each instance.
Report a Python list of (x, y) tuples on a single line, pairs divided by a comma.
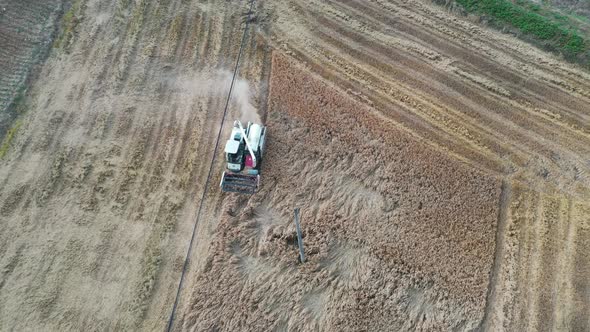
[(249, 161)]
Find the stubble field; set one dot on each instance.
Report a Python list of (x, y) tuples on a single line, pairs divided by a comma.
[(441, 168)]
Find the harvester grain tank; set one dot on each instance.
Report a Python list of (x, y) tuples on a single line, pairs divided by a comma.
[(243, 155)]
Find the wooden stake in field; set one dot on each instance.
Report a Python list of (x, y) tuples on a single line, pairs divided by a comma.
[(299, 238)]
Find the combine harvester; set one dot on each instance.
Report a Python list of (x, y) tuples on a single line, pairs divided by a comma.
[(243, 156)]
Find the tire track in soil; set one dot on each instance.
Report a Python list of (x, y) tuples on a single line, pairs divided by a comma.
[(542, 234), (564, 278), (550, 219), (498, 265), (580, 320), (559, 294), (535, 267)]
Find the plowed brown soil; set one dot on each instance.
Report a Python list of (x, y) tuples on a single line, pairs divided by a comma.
[(442, 170)]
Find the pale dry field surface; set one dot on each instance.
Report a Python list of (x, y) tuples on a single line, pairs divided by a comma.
[(442, 170)]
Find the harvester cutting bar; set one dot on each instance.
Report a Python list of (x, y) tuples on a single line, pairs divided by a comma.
[(239, 183)]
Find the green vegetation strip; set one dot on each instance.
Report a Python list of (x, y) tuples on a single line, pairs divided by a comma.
[(533, 20), (70, 21), (9, 137)]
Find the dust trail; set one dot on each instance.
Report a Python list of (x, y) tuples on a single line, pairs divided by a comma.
[(217, 84), (242, 96), (202, 84)]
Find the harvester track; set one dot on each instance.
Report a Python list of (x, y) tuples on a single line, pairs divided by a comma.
[(211, 169)]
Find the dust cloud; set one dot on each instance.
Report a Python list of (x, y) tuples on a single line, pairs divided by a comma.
[(242, 96), (217, 84)]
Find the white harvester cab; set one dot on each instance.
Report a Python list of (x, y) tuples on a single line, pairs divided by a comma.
[(243, 156)]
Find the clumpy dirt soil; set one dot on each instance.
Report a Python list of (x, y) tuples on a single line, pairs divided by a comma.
[(442, 170)]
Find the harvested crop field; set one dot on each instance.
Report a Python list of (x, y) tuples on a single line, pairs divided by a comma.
[(442, 169), (391, 241)]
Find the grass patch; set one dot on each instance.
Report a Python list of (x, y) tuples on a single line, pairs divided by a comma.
[(9, 137), (552, 29), (17, 108), (69, 23)]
